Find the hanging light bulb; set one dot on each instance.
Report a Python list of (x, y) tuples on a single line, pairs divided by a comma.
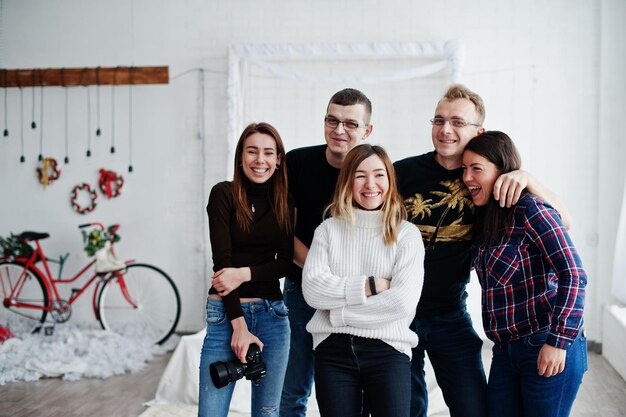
[(22, 159), (33, 124), (113, 112), (41, 94), (88, 153), (6, 111), (98, 131), (130, 119), (66, 160)]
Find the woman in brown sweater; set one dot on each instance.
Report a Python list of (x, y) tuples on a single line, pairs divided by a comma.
[(251, 231)]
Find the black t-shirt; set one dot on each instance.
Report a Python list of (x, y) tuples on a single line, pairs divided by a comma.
[(266, 249), (312, 183), (439, 203)]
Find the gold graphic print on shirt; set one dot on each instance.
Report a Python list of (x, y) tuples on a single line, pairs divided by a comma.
[(440, 219)]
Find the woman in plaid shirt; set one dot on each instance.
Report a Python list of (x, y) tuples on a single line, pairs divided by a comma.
[(533, 290)]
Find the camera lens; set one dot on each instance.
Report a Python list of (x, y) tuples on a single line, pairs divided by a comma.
[(222, 373), (219, 374)]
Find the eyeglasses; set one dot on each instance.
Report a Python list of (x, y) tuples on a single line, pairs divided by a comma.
[(440, 121), (348, 125)]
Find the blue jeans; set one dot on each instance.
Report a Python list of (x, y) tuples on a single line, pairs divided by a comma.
[(351, 371), (515, 388), (453, 348), (299, 376), (268, 321)]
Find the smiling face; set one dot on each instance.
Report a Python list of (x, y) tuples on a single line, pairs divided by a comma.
[(479, 174), (340, 141), (371, 183), (450, 141), (259, 157)]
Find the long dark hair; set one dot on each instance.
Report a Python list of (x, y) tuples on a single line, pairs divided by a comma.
[(491, 219), (243, 212)]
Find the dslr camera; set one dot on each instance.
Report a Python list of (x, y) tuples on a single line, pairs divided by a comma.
[(223, 373)]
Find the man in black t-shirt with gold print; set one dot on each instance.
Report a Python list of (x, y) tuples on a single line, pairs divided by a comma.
[(439, 204)]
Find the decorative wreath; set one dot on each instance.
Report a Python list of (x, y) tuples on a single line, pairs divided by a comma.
[(92, 196), (110, 184), (48, 172)]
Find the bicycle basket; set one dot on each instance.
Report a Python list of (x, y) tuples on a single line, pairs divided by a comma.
[(96, 238)]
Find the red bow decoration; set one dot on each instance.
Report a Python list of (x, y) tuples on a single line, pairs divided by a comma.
[(110, 183)]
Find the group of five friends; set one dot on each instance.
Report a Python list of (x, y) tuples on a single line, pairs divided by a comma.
[(367, 293)]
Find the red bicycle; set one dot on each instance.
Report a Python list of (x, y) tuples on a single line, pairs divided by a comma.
[(138, 299)]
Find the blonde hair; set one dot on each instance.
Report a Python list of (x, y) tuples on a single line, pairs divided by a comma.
[(458, 91), (343, 204)]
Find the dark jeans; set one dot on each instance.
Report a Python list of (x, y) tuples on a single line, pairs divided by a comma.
[(515, 389), (351, 371), (453, 348), (299, 376)]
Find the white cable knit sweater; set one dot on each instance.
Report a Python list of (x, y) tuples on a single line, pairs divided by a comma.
[(339, 261)]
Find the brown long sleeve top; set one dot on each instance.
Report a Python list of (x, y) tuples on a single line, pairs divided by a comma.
[(265, 249)]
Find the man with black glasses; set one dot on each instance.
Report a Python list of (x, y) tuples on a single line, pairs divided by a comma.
[(312, 174), (439, 203)]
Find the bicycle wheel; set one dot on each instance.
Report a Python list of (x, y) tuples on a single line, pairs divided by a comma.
[(141, 301), (21, 286)]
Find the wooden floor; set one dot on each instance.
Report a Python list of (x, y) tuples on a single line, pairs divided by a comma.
[(118, 396), (603, 394)]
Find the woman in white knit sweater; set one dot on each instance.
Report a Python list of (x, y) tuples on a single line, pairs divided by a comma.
[(364, 275)]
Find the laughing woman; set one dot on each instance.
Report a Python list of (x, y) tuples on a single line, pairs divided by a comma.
[(533, 291), (364, 274), (252, 244)]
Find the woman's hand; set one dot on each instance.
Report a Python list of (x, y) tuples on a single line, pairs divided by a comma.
[(551, 361), (229, 279), (242, 339)]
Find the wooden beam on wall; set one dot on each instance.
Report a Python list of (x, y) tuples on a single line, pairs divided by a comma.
[(49, 77)]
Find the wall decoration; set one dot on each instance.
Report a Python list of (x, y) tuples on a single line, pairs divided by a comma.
[(110, 183), (66, 77), (74, 196), (47, 172)]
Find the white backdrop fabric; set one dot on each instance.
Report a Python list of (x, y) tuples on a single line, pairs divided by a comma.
[(275, 59)]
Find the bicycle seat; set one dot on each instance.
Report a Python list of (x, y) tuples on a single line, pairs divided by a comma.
[(28, 236)]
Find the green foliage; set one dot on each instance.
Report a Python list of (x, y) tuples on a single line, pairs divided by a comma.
[(96, 238), (14, 247)]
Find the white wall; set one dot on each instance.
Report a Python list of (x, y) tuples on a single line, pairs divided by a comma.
[(540, 66), (611, 176)]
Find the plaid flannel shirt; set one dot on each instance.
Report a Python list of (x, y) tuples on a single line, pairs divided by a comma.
[(533, 279)]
